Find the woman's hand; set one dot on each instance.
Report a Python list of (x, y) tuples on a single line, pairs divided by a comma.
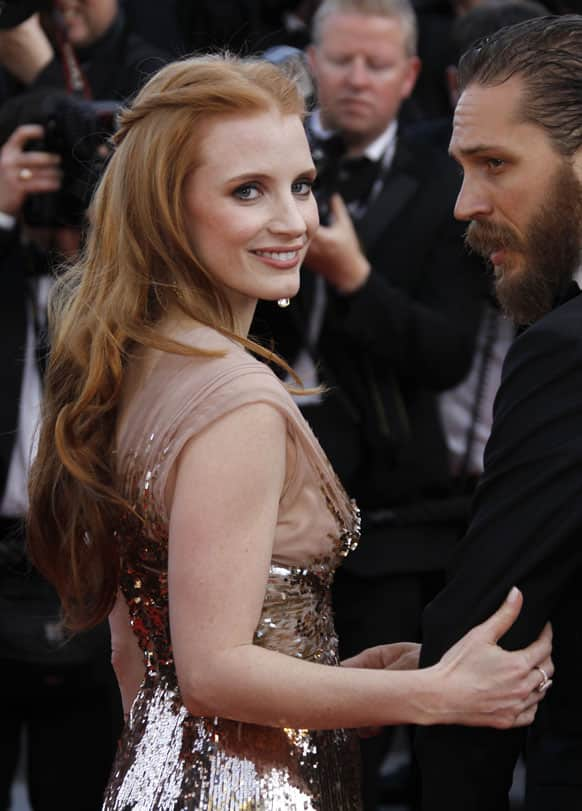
[(398, 656), (483, 685)]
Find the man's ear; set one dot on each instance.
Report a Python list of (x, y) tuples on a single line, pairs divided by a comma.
[(412, 74), (311, 56)]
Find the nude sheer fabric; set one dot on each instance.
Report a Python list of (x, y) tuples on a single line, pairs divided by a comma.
[(168, 759)]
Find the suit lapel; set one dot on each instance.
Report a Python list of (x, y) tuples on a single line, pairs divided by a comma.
[(399, 186)]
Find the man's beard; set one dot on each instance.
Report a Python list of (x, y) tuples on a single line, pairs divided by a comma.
[(549, 253)]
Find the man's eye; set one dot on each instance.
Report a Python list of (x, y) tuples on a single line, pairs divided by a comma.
[(339, 61), (495, 163), (249, 191), (302, 188)]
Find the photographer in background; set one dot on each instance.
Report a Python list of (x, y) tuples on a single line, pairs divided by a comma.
[(61, 693), (386, 318), (52, 137), (25, 50), (114, 60)]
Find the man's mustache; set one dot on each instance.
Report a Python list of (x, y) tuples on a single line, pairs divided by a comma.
[(485, 238)]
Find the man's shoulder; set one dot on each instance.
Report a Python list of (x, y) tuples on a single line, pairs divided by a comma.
[(425, 159), (549, 349), (562, 325)]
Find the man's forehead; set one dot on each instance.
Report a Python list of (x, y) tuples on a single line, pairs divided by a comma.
[(486, 113), (345, 29)]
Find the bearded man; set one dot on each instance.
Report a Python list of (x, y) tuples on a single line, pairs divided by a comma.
[(518, 138)]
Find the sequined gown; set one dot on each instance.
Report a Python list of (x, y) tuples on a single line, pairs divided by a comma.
[(169, 760)]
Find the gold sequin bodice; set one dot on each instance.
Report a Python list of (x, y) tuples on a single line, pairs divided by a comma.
[(169, 760)]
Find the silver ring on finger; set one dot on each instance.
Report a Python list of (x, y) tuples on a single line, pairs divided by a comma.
[(25, 173), (545, 682)]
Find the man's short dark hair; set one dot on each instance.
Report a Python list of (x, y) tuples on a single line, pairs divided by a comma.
[(488, 17), (546, 53)]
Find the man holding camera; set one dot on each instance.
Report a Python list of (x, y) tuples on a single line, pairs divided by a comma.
[(61, 693), (114, 60), (386, 318)]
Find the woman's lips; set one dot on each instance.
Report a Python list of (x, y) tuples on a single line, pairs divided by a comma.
[(279, 258)]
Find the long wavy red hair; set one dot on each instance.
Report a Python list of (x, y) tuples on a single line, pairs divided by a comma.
[(137, 265)]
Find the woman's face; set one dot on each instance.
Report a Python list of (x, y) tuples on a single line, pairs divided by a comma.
[(249, 206)]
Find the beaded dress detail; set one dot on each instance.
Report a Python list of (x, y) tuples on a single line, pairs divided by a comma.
[(169, 760)]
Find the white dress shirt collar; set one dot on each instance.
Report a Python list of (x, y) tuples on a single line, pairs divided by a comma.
[(383, 146)]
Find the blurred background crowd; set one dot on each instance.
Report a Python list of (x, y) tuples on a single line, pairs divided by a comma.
[(394, 317)]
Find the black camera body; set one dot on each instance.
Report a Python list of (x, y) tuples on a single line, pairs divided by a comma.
[(326, 156), (14, 12), (76, 129)]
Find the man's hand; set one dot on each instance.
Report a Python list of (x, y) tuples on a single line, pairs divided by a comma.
[(335, 251), (23, 173), (25, 50)]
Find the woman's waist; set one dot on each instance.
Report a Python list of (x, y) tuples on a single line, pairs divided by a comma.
[(297, 617)]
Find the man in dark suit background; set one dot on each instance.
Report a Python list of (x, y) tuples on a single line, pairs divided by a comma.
[(386, 318), (62, 695), (518, 137)]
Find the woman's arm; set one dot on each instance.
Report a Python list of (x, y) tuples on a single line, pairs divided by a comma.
[(395, 656), (223, 516), (126, 656)]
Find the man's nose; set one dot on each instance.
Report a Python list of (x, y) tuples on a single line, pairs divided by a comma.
[(472, 202), (357, 73)]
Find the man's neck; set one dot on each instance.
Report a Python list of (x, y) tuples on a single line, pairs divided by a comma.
[(372, 146)]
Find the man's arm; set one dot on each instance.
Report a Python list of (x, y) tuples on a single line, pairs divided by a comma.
[(429, 334), (414, 301), (525, 530), (25, 50)]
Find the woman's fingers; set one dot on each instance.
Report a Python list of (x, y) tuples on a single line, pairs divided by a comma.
[(541, 649), (525, 718), (548, 667), (501, 621), (397, 655)]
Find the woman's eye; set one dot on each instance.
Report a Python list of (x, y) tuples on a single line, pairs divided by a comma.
[(247, 192), (302, 187)]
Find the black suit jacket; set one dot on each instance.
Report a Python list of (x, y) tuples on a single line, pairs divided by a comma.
[(526, 530), (388, 349), (116, 66), (12, 341)]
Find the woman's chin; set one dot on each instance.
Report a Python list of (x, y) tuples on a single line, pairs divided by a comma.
[(284, 294)]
